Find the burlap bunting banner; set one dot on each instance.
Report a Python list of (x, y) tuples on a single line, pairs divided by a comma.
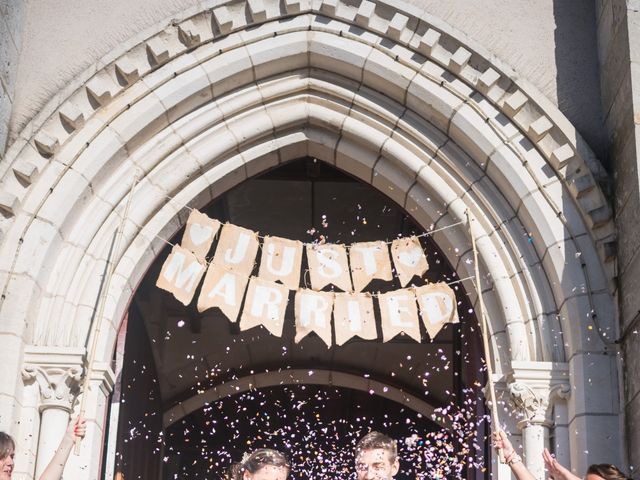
[(281, 260), (224, 289), (266, 300), (369, 260), (265, 305), (353, 315), (313, 314), (408, 259), (181, 274), (199, 234), (437, 306), (328, 264), (399, 313), (236, 249)]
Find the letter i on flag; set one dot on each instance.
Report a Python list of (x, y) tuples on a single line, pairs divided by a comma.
[(181, 274)]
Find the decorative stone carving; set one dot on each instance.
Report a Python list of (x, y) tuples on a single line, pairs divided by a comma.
[(58, 386), (532, 405)]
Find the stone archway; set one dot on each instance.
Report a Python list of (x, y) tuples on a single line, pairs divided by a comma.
[(394, 99)]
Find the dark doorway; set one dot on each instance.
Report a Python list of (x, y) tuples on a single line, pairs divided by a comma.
[(173, 354)]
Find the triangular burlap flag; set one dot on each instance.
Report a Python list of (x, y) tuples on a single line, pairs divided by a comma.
[(399, 313), (313, 314), (224, 289), (408, 258), (328, 264), (353, 315), (236, 249), (438, 306), (199, 234), (281, 260), (369, 260), (265, 305), (181, 274)]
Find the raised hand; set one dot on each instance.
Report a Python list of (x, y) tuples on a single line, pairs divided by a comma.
[(77, 428), (556, 471)]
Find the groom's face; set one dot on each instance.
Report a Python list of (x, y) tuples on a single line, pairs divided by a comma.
[(376, 464)]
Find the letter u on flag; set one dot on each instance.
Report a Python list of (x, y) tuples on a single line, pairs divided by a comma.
[(438, 306), (181, 274), (236, 249), (399, 313), (265, 305), (313, 314), (224, 289), (328, 264), (353, 315), (408, 258), (369, 260), (281, 260), (199, 234)]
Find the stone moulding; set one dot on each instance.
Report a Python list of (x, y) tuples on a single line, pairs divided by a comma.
[(394, 98), (90, 119)]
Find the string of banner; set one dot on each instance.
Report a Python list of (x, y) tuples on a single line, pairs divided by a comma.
[(228, 280)]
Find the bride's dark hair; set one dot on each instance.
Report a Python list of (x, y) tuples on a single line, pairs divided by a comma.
[(256, 460)]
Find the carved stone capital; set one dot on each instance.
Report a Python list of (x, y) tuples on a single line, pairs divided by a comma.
[(58, 386), (56, 372), (531, 405)]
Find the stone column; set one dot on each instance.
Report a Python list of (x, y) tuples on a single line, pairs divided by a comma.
[(57, 372), (535, 420)]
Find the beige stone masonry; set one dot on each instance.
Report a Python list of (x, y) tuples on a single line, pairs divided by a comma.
[(71, 115)]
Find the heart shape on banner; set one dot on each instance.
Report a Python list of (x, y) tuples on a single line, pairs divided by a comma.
[(199, 234), (410, 258)]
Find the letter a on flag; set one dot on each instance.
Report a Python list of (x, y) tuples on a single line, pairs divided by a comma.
[(181, 274), (223, 289), (408, 258)]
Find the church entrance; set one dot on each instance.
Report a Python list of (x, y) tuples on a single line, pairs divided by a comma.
[(195, 392)]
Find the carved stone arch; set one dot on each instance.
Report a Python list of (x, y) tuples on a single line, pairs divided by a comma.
[(392, 97)]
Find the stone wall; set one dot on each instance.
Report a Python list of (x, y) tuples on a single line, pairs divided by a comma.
[(619, 53), (551, 44), (11, 25)]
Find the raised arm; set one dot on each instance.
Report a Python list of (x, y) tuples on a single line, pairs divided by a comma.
[(76, 429), (511, 458), (556, 471)]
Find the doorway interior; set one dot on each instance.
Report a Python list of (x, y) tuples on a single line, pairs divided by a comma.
[(173, 353)]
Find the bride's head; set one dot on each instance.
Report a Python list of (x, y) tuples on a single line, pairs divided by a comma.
[(262, 464)]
